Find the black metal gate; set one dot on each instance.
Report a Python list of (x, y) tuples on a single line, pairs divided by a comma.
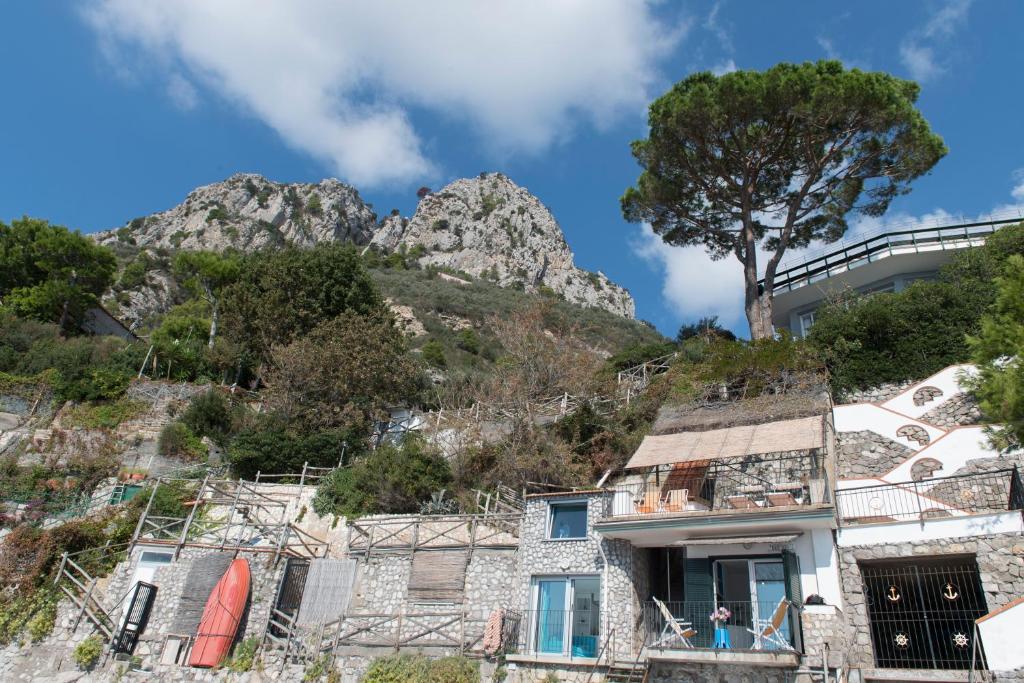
[(135, 620), (922, 613), (289, 597)]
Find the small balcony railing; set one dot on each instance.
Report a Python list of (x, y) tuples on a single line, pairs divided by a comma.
[(747, 626), (555, 633), (753, 486), (932, 498)]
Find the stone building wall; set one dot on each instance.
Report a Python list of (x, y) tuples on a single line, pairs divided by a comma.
[(542, 556), (1000, 561), (883, 392), (867, 454), (961, 409)]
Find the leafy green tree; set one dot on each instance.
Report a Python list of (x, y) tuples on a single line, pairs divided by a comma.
[(707, 327), (179, 343), (283, 295), (209, 414), (998, 352), (206, 274), (776, 159), (433, 354), (391, 479), (270, 446), (52, 274), (345, 372)]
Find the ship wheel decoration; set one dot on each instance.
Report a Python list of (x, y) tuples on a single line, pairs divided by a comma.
[(950, 593), (960, 640), (902, 640), (893, 595)]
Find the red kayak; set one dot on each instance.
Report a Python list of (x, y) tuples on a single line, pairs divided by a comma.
[(223, 611)]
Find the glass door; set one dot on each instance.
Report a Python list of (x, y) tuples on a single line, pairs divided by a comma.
[(551, 601), (586, 616), (769, 589)]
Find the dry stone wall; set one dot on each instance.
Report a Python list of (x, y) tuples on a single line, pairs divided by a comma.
[(867, 454), (961, 409)]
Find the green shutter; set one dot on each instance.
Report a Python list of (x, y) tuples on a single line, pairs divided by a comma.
[(698, 584), (791, 566)]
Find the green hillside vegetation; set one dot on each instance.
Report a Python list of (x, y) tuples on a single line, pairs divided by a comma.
[(909, 335)]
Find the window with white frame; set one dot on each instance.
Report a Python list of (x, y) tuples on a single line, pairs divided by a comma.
[(567, 520)]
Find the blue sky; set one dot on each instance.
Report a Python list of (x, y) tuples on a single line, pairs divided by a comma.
[(117, 108)]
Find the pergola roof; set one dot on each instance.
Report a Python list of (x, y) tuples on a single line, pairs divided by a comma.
[(733, 442)]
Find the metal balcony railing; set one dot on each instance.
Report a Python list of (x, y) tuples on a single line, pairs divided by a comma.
[(753, 484), (746, 628), (560, 633), (847, 255), (933, 498)]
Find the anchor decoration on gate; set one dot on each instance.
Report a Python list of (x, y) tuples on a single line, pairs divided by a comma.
[(950, 593), (893, 595)]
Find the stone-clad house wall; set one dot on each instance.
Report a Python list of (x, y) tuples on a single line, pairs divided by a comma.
[(1000, 561), (540, 556)]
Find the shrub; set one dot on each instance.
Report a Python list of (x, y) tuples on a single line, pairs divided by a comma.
[(41, 623), (405, 668), (313, 205), (433, 353), (244, 655), (469, 341), (88, 652), (177, 441), (105, 415), (268, 446), (209, 414), (391, 479)]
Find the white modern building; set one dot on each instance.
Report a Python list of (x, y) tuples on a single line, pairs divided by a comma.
[(884, 262)]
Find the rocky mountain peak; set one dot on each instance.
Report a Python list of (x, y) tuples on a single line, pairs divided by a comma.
[(249, 212), (492, 228)]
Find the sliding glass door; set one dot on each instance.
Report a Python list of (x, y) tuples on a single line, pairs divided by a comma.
[(568, 615), (751, 589)]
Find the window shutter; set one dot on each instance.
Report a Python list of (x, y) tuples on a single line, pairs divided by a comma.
[(791, 567), (698, 584)]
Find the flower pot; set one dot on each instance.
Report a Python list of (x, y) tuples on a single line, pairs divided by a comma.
[(722, 638)]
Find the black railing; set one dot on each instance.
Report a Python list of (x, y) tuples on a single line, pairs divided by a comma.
[(754, 484), (562, 633), (843, 258), (932, 498), (745, 628)]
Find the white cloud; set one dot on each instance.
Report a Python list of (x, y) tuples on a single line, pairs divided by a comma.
[(337, 80), (726, 67), (1018, 190), (917, 52), (693, 285), (182, 92)]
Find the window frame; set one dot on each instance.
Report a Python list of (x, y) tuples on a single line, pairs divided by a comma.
[(549, 526)]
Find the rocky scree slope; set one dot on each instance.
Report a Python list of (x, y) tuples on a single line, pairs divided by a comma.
[(487, 227)]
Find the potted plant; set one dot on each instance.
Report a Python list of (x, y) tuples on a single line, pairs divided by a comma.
[(720, 617)]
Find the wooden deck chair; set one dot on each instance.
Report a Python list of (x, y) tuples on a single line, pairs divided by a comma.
[(769, 630), (741, 502), (675, 500), (650, 503), (674, 627)]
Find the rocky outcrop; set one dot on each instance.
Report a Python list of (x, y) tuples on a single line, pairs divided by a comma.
[(248, 212), (491, 228), (487, 227)]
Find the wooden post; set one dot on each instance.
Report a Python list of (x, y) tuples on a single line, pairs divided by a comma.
[(138, 527), (191, 515), (231, 517), (85, 605), (60, 570)]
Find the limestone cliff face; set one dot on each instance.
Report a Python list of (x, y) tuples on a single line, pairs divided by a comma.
[(488, 227), (494, 229), (249, 212)]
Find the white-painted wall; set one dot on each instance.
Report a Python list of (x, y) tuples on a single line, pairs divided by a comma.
[(931, 529), (1000, 635), (954, 450), (869, 417), (947, 380)]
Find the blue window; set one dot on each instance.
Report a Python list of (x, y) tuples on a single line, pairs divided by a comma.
[(568, 520)]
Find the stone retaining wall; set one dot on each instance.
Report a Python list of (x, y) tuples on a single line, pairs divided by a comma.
[(960, 409), (883, 392), (867, 454)]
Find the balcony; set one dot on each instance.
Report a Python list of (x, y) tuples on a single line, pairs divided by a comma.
[(931, 499), (769, 493), (761, 633)]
